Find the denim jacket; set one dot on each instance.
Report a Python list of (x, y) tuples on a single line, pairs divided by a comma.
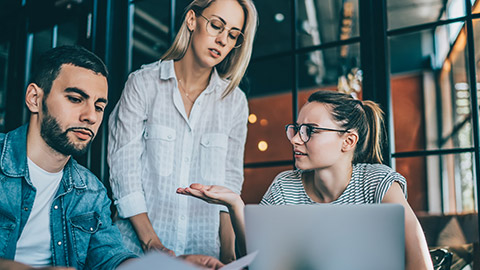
[(83, 235)]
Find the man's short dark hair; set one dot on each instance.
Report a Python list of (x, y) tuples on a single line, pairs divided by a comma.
[(49, 64)]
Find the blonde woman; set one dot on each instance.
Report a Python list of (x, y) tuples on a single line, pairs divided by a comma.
[(182, 120)]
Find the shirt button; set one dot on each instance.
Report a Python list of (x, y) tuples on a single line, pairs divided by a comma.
[(91, 229), (207, 142), (55, 207), (169, 137), (182, 217), (25, 208), (187, 159), (59, 243)]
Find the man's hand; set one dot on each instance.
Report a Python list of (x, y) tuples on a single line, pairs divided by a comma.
[(202, 260)]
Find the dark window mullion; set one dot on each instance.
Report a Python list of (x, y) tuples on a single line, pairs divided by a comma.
[(471, 71)]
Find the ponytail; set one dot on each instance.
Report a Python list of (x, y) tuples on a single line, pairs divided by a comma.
[(373, 143)]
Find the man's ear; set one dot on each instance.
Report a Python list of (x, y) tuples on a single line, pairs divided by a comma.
[(191, 20), (350, 141), (33, 97)]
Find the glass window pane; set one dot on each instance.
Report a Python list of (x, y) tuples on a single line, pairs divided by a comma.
[(257, 181), (413, 169), (326, 21), (408, 13), (449, 179), (4, 50), (457, 183), (266, 139), (274, 30), (476, 6), (426, 118), (456, 115), (42, 41), (444, 38), (332, 68), (151, 27), (68, 32), (455, 9), (408, 114), (268, 77)]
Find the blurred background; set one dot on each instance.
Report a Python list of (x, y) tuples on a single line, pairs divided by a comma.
[(419, 59)]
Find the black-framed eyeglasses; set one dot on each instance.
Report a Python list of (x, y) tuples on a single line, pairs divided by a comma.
[(306, 131), (215, 27)]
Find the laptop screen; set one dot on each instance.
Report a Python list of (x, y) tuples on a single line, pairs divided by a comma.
[(326, 236)]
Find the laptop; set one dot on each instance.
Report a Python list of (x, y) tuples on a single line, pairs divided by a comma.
[(326, 236)]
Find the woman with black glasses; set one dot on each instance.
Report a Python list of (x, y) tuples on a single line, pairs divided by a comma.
[(337, 147), (182, 120)]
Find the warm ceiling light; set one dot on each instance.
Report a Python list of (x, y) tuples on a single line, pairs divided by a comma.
[(262, 146), (252, 118)]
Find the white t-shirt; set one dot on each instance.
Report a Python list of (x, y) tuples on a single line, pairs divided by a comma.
[(33, 247)]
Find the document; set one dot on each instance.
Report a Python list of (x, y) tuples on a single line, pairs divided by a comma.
[(158, 260), (241, 263)]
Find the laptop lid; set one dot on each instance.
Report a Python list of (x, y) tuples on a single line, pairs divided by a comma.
[(326, 236)]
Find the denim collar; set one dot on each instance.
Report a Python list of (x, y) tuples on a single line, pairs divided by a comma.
[(13, 160)]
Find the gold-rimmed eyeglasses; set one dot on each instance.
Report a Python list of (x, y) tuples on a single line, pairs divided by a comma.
[(216, 27)]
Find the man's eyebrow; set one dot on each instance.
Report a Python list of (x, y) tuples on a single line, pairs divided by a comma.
[(83, 94), (78, 91), (103, 100)]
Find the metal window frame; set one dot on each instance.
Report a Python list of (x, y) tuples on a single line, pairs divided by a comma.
[(376, 67)]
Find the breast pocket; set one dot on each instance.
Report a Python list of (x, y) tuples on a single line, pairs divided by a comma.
[(160, 147), (83, 227), (213, 157), (7, 225)]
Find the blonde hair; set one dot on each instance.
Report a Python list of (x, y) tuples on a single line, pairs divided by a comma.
[(235, 64)]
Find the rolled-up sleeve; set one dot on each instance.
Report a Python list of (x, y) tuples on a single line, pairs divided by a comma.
[(125, 147)]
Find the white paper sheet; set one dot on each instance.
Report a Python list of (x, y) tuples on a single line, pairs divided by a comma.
[(158, 260), (241, 263)]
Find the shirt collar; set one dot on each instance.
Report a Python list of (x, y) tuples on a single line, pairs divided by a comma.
[(13, 160), (167, 71)]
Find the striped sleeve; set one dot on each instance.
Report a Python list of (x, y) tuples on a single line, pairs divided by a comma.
[(386, 183), (275, 193)]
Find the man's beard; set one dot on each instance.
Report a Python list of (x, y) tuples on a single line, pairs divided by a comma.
[(57, 139)]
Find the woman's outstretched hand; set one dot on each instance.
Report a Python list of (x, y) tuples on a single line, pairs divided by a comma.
[(224, 196), (213, 194)]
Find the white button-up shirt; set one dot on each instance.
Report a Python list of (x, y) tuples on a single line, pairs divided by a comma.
[(154, 148)]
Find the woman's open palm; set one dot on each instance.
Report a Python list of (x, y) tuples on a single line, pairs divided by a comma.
[(212, 194)]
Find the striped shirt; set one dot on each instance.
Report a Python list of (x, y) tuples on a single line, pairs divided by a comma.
[(369, 184)]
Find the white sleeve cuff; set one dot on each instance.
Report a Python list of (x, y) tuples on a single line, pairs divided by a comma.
[(131, 205)]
